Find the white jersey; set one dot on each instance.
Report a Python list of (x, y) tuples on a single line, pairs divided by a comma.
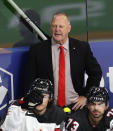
[(17, 120)]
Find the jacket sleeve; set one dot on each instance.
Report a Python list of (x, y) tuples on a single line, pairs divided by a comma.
[(93, 70)]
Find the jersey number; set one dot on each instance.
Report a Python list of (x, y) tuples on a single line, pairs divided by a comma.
[(73, 125)]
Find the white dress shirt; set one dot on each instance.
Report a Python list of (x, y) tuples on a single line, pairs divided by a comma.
[(71, 95)]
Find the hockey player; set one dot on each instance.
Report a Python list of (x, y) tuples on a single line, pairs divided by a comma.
[(97, 116), (36, 111)]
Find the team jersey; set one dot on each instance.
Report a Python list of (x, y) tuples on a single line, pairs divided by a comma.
[(79, 121), (21, 120)]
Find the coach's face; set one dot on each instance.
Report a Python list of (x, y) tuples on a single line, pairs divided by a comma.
[(97, 109), (60, 27)]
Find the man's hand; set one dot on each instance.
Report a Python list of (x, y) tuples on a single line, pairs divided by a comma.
[(80, 103)]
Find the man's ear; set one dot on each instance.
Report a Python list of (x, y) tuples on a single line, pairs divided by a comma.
[(69, 28)]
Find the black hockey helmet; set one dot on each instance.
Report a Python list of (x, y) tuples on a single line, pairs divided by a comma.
[(42, 86), (34, 96), (97, 94)]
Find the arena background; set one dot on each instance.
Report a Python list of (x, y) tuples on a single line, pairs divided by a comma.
[(98, 25), (100, 18)]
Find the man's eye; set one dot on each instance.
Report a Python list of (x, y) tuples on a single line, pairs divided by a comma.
[(53, 26), (61, 26)]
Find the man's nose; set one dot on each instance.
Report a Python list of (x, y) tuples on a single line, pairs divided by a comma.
[(96, 106), (57, 28)]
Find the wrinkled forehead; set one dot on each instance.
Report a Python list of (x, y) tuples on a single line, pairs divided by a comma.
[(60, 17)]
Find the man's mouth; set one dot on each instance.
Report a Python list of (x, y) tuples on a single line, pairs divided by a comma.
[(58, 34)]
